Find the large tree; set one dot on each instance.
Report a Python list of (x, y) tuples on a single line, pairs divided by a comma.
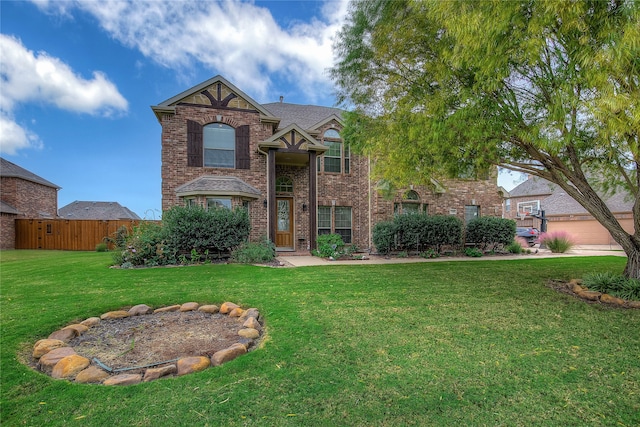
[(452, 88)]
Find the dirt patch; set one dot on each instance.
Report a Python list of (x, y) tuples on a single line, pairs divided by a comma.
[(154, 338)]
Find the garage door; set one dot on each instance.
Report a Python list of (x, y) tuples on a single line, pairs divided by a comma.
[(588, 232)]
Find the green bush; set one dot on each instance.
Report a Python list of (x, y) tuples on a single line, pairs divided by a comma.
[(613, 284), (557, 241), (490, 232), (329, 245), (144, 246), (101, 247), (217, 230), (384, 237), (473, 252), (514, 248), (419, 232), (255, 252)]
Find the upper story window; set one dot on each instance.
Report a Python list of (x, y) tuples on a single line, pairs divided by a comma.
[(337, 157), (219, 145)]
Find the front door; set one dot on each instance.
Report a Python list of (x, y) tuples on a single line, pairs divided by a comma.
[(284, 228)]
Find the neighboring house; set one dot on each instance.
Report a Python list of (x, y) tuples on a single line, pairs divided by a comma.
[(288, 166), (96, 210), (564, 213), (23, 195)]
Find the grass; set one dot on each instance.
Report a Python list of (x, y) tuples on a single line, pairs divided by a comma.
[(446, 343)]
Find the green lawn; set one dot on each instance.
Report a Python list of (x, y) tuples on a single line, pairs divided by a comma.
[(443, 343)]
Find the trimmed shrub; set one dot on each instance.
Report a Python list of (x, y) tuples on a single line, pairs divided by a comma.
[(384, 237), (329, 245), (144, 246), (216, 230), (417, 232), (490, 232), (557, 241), (255, 252)]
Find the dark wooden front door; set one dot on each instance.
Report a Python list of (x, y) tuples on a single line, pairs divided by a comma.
[(284, 225)]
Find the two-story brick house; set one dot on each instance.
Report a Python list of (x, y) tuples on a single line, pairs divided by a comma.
[(288, 166), (23, 195)]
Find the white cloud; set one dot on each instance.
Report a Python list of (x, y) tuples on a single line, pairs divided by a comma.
[(14, 137), (240, 40), (37, 77)]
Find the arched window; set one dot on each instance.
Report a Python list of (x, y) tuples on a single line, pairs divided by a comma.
[(219, 145), (284, 184), (337, 156), (410, 204)]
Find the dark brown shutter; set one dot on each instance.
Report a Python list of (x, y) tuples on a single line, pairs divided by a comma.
[(242, 147), (194, 144)]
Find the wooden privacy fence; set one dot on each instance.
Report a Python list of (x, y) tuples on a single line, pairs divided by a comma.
[(66, 234)]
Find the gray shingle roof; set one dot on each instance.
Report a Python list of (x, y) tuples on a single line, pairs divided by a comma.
[(96, 210), (218, 185), (9, 169), (533, 186), (305, 116), (559, 203)]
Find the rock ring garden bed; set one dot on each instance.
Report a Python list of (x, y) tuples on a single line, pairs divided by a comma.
[(141, 344)]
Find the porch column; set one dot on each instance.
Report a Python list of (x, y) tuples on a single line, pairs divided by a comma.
[(313, 200), (271, 194)]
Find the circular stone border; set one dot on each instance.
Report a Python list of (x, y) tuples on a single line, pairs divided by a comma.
[(55, 357)]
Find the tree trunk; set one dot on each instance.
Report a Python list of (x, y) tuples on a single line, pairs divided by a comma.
[(632, 269)]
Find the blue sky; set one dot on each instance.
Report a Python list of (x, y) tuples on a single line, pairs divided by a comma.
[(79, 77)]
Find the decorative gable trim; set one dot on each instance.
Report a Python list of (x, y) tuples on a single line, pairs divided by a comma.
[(292, 139), (210, 94), (329, 119)]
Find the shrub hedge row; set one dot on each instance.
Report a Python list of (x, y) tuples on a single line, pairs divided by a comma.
[(421, 232)]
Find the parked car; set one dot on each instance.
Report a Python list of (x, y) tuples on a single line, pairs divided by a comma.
[(529, 234)]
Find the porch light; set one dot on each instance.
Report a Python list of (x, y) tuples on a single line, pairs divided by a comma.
[(264, 203), (304, 207)]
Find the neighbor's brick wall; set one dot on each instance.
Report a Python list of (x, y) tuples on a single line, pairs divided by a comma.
[(7, 231), (175, 171), (32, 200)]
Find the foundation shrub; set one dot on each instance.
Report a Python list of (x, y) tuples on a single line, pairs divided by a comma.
[(490, 232), (384, 237), (329, 245), (417, 232), (255, 252), (216, 230), (143, 246)]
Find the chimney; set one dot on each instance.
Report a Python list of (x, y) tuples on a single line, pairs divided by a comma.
[(281, 99)]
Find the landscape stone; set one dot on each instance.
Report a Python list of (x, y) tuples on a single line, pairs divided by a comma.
[(251, 322), (49, 360), (169, 308), (236, 312), (252, 312), (249, 333), (228, 354), (118, 314), (576, 287), (79, 328), (189, 306), (65, 335), (69, 366), (123, 379), (91, 321), (92, 374), (226, 307), (188, 365), (211, 309), (611, 299), (43, 347), (155, 373), (633, 304), (590, 295), (140, 309)]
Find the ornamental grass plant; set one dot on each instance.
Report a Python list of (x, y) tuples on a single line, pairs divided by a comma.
[(557, 241), (429, 344)]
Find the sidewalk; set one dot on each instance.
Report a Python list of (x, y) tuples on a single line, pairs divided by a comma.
[(581, 250)]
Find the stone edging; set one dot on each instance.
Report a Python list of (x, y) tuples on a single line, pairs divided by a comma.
[(575, 286), (59, 360)]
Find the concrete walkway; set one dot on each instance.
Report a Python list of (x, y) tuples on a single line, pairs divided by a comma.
[(582, 250)]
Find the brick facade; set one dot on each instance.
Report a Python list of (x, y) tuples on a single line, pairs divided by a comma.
[(353, 189)]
